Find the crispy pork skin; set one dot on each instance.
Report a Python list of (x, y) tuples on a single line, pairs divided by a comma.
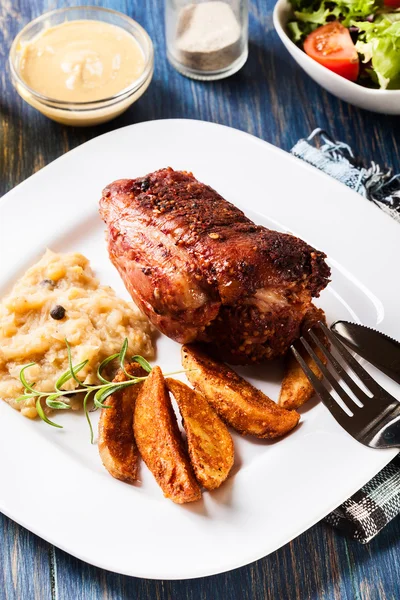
[(201, 270)]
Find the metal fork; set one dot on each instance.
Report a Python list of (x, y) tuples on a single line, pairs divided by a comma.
[(376, 423)]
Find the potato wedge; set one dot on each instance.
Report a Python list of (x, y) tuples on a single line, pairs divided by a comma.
[(159, 441), (117, 446), (236, 401), (209, 442), (296, 390)]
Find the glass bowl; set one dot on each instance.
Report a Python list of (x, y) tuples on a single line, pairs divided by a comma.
[(82, 113)]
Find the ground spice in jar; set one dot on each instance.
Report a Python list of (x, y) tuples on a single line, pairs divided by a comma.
[(208, 36)]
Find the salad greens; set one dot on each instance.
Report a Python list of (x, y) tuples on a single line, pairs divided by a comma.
[(375, 30), (310, 14), (379, 46)]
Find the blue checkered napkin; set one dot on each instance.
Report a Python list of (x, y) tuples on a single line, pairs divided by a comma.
[(337, 159), (366, 513)]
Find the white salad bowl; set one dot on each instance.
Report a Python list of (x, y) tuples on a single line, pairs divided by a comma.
[(382, 101)]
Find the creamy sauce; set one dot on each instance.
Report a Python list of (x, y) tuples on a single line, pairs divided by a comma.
[(81, 61)]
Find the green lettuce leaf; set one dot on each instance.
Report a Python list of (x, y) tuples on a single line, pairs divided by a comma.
[(310, 14), (295, 31), (379, 44)]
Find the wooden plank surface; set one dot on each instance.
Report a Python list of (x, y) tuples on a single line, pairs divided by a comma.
[(273, 99)]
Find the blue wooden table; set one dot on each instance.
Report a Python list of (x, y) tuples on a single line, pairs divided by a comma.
[(273, 99)]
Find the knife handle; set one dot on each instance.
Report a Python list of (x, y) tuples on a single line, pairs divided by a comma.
[(389, 437)]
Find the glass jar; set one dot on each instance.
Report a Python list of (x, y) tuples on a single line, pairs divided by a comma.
[(206, 39)]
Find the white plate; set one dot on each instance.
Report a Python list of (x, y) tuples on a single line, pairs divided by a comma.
[(53, 482)]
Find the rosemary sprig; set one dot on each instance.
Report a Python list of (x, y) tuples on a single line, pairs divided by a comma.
[(100, 392)]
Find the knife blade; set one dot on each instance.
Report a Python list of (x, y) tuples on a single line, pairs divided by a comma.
[(377, 348)]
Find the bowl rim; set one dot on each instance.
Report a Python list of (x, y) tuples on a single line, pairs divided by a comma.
[(145, 43), (280, 28)]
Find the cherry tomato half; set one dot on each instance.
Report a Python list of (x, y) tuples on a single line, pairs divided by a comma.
[(331, 45), (392, 3)]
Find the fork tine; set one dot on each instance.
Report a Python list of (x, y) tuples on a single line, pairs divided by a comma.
[(337, 412), (358, 392), (361, 373), (329, 377)]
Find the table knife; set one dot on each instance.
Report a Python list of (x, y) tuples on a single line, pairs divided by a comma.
[(377, 348)]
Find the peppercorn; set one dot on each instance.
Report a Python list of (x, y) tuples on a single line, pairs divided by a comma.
[(58, 312), (47, 283)]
